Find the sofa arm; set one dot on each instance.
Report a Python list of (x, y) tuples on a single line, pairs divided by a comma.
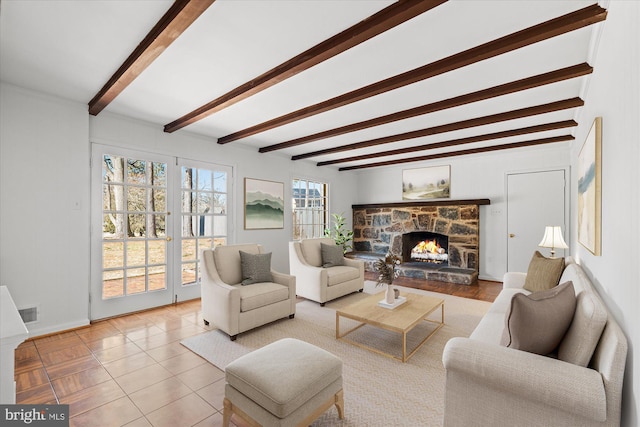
[(286, 280), (529, 376), (514, 280), (356, 263)]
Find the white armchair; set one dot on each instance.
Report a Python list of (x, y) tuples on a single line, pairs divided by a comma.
[(235, 308), (318, 283)]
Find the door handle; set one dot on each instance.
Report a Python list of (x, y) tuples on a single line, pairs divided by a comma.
[(169, 238), (511, 235)]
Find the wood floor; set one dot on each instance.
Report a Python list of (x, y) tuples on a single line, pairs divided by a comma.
[(133, 371)]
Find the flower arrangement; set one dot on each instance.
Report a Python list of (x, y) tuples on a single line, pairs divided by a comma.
[(386, 267)]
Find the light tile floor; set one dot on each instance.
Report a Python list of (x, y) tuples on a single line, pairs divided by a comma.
[(130, 371), (133, 371)]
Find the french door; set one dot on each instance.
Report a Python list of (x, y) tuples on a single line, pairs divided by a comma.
[(152, 215)]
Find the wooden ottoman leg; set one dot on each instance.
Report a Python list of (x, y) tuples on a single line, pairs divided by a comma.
[(340, 404), (226, 413)]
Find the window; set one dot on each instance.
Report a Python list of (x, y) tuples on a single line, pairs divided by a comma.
[(309, 204)]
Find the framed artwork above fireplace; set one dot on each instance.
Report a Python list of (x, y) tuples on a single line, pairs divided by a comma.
[(426, 183)]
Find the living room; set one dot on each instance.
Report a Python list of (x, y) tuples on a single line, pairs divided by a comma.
[(55, 133)]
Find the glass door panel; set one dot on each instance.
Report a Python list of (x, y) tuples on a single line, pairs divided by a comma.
[(204, 207), (130, 270), (138, 261)]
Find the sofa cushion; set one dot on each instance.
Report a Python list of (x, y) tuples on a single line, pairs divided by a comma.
[(584, 333), (256, 268), (261, 295), (332, 255), (491, 326), (537, 322), (341, 274), (543, 273)]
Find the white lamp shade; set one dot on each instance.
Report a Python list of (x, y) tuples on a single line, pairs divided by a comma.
[(553, 238)]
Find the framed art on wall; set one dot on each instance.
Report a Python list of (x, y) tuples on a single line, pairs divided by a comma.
[(426, 183), (590, 189), (263, 204)]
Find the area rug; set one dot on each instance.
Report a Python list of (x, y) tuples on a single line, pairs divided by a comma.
[(378, 390)]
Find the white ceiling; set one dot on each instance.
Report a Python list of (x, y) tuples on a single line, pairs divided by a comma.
[(71, 48)]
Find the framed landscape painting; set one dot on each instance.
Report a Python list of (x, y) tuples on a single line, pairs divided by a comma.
[(590, 189), (426, 183), (263, 204)]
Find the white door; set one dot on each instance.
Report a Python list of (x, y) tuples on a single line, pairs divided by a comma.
[(152, 215), (205, 207), (534, 200), (132, 232)]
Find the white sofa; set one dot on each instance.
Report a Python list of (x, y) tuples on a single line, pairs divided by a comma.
[(318, 283), (489, 385)]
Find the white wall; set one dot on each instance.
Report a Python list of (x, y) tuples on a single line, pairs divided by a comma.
[(44, 210), (45, 188), (120, 131), (614, 94), (473, 177)]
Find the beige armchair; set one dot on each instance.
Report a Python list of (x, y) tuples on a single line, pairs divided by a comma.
[(236, 308), (318, 283)]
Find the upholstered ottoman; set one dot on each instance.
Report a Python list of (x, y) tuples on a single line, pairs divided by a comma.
[(286, 383)]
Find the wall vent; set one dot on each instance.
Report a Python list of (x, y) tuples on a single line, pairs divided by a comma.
[(29, 315)]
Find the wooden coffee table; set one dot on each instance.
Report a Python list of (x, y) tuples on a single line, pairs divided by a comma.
[(401, 319)]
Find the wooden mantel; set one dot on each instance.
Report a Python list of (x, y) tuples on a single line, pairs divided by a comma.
[(423, 203)]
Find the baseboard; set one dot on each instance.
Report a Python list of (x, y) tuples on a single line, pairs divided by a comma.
[(56, 329), (490, 278)]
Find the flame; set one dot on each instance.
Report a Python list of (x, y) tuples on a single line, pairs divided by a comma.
[(429, 246)]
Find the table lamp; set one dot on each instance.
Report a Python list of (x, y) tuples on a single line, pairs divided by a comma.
[(553, 239)]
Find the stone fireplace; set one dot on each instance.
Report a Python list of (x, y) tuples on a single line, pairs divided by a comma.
[(450, 230)]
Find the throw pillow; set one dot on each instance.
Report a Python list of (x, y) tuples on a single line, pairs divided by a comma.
[(584, 333), (543, 273), (255, 268), (332, 255), (537, 322)]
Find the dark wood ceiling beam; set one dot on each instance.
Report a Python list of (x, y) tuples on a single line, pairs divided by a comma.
[(481, 95), (456, 142), (464, 124), (173, 23), (464, 152), (554, 27), (389, 17)]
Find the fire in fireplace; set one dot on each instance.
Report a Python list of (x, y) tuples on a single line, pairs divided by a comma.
[(429, 251), (423, 246)]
